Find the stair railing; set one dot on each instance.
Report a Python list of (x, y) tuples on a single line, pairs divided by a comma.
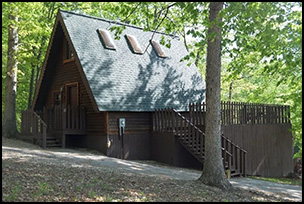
[(190, 135), (226, 155), (238, 155), (34, 126)]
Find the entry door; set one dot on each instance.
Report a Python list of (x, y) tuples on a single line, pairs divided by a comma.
[(72, 94), (72, 101)]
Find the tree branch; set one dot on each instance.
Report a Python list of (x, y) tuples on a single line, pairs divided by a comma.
[(124, 20), (162, 20)]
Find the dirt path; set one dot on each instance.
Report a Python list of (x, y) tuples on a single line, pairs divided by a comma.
[(77, 158)]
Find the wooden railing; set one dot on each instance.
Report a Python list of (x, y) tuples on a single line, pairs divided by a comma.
[(243, 113), (193, 139), (34, 127), (62, 117), (238, 156)]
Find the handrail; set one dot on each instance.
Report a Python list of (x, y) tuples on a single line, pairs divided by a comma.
[(222, 148), (235, 160), (39, 118), (188, 121), (34, 127), (234, 144), (198, 136), (43, 130), (166, 120)]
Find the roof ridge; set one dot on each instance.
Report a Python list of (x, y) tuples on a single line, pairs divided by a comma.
[(115, 22)]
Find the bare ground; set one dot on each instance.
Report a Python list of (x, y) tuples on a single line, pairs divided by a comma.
[(30, 173)]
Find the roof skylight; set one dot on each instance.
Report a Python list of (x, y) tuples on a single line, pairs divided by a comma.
[(107, 39), (158, 49), (134, 44)]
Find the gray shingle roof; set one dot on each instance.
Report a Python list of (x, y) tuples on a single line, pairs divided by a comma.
[(123, 81)]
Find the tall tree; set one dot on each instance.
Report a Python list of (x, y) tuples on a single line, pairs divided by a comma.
[(264, 42), (9, 128), (213, 171)]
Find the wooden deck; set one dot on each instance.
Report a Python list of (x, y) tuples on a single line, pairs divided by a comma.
[(48, 127), (260, 119)]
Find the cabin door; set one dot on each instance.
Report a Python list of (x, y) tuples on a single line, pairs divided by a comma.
[(72, 94), (72, 101)]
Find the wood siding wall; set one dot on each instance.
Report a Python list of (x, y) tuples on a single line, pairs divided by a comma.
[(269, 147), (63, 74), (135, 141), (165, 148)]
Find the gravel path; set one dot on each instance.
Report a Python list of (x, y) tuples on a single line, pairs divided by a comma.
[(81, 158)]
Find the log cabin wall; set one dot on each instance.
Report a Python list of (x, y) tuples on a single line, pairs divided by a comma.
[(135, 143), (96, 136), (269, 147)]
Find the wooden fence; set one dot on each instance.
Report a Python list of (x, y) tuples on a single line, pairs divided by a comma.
[(242, 113)]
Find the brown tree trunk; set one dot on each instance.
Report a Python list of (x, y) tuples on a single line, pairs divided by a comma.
[(30, 98), (9, 120), (230, 91), (32, 87), (213, 172)]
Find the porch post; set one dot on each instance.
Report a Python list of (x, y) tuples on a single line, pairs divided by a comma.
[(63, 140)]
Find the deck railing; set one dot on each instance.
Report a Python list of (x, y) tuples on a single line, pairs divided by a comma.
[(64, 117), (59, 119), (33, 127), (243, 113)]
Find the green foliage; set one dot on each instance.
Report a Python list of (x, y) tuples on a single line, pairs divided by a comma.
[(13, 195), (117, 31), (262, 44), (290, 181)]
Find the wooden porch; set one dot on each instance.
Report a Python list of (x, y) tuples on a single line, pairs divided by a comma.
[(48, 127)]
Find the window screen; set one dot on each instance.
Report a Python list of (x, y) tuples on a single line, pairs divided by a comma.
[(134, 44), (107, 39), (158, 48)]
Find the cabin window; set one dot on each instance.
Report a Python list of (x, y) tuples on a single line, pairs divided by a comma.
[(107, 39), (158, 49), (67, 52), (134, 44), (56, 98)]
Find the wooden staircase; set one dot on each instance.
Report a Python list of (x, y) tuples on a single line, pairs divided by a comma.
[(193, 139), (52, 140), (33, 128)]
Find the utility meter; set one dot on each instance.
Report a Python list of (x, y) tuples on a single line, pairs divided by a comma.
[(122, 124)]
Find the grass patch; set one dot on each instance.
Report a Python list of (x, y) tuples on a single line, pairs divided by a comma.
[(290, 181), (13, 195)]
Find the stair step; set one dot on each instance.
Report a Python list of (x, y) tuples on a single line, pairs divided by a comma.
[(53, 145), (52, 140), (235, 174)]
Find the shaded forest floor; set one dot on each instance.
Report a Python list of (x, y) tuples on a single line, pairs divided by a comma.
[(38, 176)]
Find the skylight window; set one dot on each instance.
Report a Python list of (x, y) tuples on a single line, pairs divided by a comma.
[(134, 44), (158, 49), (107, 39)]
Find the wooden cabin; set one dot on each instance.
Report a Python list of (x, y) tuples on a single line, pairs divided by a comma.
[(133, 98)]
